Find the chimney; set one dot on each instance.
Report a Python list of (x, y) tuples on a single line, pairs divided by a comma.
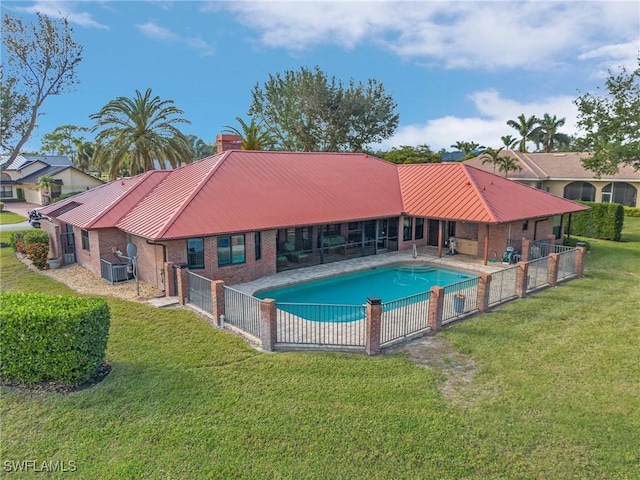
[(226, 142)]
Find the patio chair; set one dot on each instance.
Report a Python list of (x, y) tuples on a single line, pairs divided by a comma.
[(293, 255)]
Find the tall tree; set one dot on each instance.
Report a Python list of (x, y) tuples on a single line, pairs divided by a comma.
[(508, 141), (63, 140), (467, 147), (254, 137), (84, 154), (612, 123), (200, 148), (41, 61), (142, 130), (548, 133), (408, 154), (306, 111), (527, 129)]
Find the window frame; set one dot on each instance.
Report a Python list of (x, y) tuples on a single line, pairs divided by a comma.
[(257, 245), (407, 229), (86, 244), (195, 265), (230, 244), (419, 232)]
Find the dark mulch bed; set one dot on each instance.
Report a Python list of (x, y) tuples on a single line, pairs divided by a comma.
[(103, 370)]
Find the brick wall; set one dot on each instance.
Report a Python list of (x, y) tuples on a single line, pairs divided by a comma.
[(499, 235)]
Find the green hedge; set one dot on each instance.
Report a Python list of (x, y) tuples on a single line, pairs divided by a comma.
[(65, 196), (602, 220), (631, 212), (35, 236), (51, 338)]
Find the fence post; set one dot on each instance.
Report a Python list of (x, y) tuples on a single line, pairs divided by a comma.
[(484, 288), (217, 301), (436, 307), (552, 269), (183, 286), (522, 279), (268, 324), (373, 326), (526, 248), (581, 251), (169, 281)]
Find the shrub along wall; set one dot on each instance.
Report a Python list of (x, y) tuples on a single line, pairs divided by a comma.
[(51, 338), (602, 220)]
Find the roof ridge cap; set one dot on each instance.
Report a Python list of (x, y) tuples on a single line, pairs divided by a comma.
[(532, 165), (195, 191)]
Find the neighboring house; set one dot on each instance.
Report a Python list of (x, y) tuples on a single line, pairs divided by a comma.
[(19, 180), (563, 174), (240, 215)]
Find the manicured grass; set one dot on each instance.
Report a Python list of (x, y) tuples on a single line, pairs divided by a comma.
[(10, 217), (555, 395)]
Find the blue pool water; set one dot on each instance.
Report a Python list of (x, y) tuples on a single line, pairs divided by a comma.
[(387, 283)]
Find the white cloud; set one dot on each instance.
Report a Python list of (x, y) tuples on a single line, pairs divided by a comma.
[(485, 35), (62, 10), (488, 126), (615, 55), (156, 32)]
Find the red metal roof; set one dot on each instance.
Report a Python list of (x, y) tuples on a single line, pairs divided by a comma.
[(239, 191), (247, 190), (103, 206), (458, 191)]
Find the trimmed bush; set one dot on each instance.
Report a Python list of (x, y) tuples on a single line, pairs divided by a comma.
[(51, 338), (1, 206), (65, 196), (35, 236), (602, 220), (631, 212), (572, 241)]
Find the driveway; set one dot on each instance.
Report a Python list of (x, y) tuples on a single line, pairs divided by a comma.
[(21, 208)]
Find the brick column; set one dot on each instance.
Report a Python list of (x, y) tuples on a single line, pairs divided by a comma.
[(217, 301), (522, 279), (552, 239), (268, 324), (552, 269), (526, 247), (373, 326), (169, 281), (581, 252), (484, 284), (183, 286), (436, 307)]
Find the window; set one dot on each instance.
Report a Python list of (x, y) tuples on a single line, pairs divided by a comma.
[(195, 252), (581, 191), (419, 228), (407, 228), (622, 193), (525, 225), (231, 250), (85, 240), (257, 243), (6, 191)]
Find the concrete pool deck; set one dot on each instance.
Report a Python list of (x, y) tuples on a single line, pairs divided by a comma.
[(427, 255)]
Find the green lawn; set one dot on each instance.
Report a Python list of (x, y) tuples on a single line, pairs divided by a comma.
[(10, 217), (555, 395)]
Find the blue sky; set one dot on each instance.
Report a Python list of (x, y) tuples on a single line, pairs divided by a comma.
[(457, 70)]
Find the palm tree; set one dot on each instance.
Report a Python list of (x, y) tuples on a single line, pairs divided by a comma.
[(492, 156), (84, 154), (509, 141), (45, 185), (526, 127), (548, 131), (508, 164), (253, 136), (144, 128)]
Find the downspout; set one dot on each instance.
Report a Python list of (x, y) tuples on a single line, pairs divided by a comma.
[(164, 257)]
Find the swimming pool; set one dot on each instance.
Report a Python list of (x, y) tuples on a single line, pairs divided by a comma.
[(387, 283)]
